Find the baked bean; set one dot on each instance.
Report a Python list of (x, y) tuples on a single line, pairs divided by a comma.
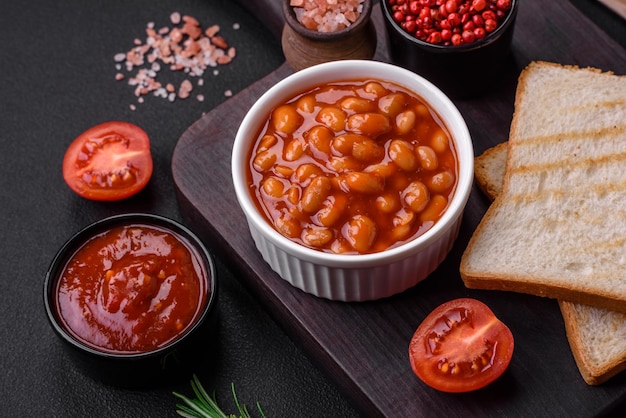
[(288, 226), (316, 236), (293, 150), (416, 196), (434, 209), (399, 181), (286, 119), (360, 232), (306, 104), (320, 138), (267, 142), (421, 110), (293, 195), (340, 246), (356, 105), (361, 147), (332, 209), (384, 170), (273, 187), (305, 172), (392, 104), (283, 170), (336, 183), (264, 160), (332, 117), (388, 202), (295, 212), (402, 224), (400, 232), (375, 89), (343, 144), (427, 157), (370, 124), (402, 153), (404, 217), (343, 164), (315, 193), (353, 167), (439, 141), (423, 131), (366, 183), (441, 182), (405, 121), (367, 150)]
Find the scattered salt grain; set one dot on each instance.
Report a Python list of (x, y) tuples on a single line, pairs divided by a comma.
[(228, 93), (211, 31), (185, 89), (184, 47)]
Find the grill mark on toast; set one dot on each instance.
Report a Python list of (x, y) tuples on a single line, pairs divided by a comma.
[(562, 170), (608, 132)]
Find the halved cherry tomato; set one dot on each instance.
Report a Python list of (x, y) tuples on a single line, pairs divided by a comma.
[(461, 346), (110, 161)]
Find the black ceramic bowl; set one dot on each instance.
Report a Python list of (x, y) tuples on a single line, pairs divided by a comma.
[(171, 360), (460, 71)]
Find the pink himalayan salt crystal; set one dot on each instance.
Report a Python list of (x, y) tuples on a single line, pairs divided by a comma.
[(327, 15), (185, 89), (185, 47)]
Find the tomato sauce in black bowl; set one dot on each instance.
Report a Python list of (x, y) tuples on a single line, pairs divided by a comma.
[(134, 296), (464, 60)]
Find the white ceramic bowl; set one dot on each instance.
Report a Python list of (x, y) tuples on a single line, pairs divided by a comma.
[(366, 276)]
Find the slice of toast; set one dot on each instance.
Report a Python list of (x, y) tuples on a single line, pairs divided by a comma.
[(558, 226), (596, 336), (489, 168)]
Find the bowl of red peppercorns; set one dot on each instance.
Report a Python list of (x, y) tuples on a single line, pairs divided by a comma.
[(459, 45)]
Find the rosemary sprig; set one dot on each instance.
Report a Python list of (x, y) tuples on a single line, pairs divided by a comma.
[(204, 406)]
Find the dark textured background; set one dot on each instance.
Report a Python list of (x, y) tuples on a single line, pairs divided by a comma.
[(56, 80)]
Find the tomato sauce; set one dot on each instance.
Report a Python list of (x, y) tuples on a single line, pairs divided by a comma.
[(132, 289)]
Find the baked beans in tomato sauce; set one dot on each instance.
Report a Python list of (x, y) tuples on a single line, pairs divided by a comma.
[(132, 289), (353, 167)]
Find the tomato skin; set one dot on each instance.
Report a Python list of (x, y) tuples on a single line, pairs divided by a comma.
[(110, 161), (460, 346)]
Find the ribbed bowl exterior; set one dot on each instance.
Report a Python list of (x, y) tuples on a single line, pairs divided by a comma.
[(350, 284)]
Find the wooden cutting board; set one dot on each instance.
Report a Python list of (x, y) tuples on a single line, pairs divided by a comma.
[(363, 346)]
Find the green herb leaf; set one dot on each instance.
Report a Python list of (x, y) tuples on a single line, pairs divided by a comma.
[(205, 406)]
